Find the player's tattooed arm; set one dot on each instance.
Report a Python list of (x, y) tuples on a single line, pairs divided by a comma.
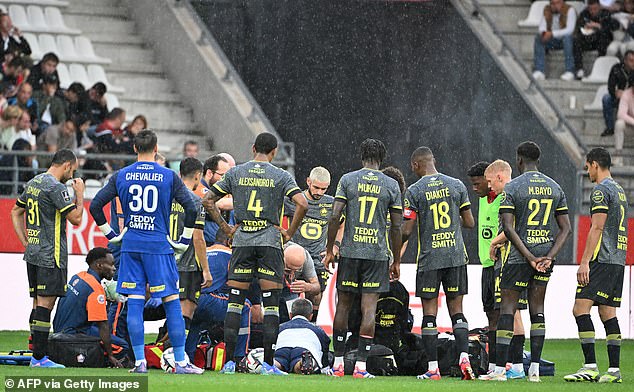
[(17, 218), (508, 222), (209, 202), (333, 228)]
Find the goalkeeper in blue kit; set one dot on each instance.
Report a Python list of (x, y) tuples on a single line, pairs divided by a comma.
[(146, 191)]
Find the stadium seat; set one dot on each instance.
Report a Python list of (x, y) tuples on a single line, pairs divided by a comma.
[(597, 102), (534, 14), (66, 48), (97, 74), (56, 23), (578, 5), (36, 52), (64, 77), (601, 69), (78, 74), (19, 18), (56, 3), (36, 19), (48, 44), (83, 47), (113, 101)]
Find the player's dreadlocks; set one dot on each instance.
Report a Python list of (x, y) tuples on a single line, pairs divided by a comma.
[(373, 150)]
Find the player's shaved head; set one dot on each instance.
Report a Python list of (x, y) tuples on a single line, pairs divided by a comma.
[(499, 166), (320, 174), (294, 257), (265, 143), (373, 150), (190, 167), (145, 141), (422, 154), (498, 174), (228, 158), (528, 151)]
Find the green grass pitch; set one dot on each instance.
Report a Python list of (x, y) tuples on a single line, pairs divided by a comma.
[(565, 353)]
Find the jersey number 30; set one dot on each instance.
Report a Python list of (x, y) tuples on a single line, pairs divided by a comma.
[(143, 198)]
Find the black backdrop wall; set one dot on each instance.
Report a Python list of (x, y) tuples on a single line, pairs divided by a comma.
[(331, 73)]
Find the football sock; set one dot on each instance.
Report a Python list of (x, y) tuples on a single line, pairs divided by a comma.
[(613, 340), (315, 313), (492, 351), (461, 332), (40, 326), (503, 337), (271, 303), (188, 323), (232, 321), (365, 343), (586, 337), (31, 329), (430, 338), (538, 334), (176, 329), (517, 349), (135, 327), (339, 342)]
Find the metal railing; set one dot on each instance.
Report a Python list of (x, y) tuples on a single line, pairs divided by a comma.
[(562, 121)]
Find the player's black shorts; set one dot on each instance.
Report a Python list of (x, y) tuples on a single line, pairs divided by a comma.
[(488, 288), (262, 262), (606, 284), (522, 302), (519, 276), (454, 282), (363, 276), (322, 276), (189, 285), (47, 282)]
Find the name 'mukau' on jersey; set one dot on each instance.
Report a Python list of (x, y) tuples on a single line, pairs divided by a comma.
[(146, 191)]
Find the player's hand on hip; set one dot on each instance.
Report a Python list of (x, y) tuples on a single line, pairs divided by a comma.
[(207, 280), (78, 186), (395, 271), (583, 274), (117, 239)]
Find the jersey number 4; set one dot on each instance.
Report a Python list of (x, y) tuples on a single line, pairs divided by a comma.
[(143, 198)]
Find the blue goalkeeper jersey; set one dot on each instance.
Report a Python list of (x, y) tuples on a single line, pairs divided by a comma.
[(146, 191)]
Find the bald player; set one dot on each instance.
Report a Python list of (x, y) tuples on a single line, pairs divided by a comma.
[(299, 272)]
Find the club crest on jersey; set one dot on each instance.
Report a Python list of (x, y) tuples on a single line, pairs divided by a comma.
[(323, 212), (597, 196), (145, 166)]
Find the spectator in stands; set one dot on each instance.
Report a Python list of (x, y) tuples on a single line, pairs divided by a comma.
[(13, 76), (83, 309), (109, 134), (8, 165), (24, 130), (623, 43), (300, 276), (46, 66), (94, 103), (24, 99), (60, 136), (138, 124), (592, 32), (621, 78), (8, 123), (301, 346), (12, 39), (624, 120), (555, 32), (190, 150), (52, 110), (82, 123), (72, 97)]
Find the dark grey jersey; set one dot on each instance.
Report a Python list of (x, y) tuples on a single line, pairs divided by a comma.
[(187, 261), (535, 199), (258, 190), (608, 197), (314, 228), (436, 201), (369, 196), (47, 202)]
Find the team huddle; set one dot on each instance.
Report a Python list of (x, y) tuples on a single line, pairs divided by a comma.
[(362, 231)]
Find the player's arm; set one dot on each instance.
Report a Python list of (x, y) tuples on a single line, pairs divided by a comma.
[(333, 228), (209, 202), (301, 206), (17, 218), (225, 204), (105, 195), (200, 247), (508, 223), (496, 243), (594, 236), (467, 217), (184, 198), (563, 221), (76, 214), (396, 237), (104, 335)]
